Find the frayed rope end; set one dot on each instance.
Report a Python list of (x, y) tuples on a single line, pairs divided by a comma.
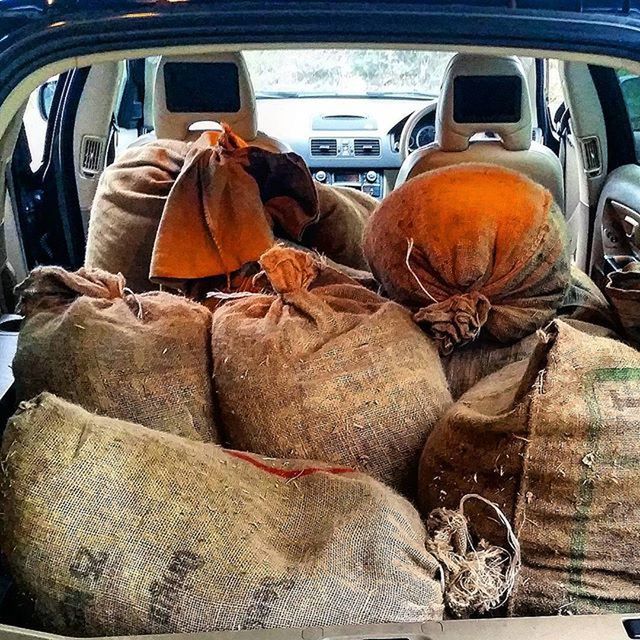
[(476, 580)]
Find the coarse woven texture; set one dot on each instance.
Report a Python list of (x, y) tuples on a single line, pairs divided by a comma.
[(584, 307), (213, 222), (585, 302), (344, 213), (213, 293), (623, 289), (117, 529), (476, 250), (144, 358), (127, 208), (133, 191), (332, 372), (221, 211), (469, 364), (556, 444)]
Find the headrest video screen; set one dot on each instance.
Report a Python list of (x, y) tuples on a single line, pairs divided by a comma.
[(487, 99), (201, 87)]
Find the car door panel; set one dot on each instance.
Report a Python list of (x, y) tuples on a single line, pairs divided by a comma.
[(617, 223)]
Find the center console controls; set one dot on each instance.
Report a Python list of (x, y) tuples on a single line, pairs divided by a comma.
[(365, 180)]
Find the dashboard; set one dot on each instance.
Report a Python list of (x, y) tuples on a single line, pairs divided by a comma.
[(352, 142)]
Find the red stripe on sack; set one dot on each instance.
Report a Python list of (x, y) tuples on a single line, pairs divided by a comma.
[(287, 473)]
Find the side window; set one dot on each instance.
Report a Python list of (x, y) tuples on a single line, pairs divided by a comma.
[(134, 111), (555, 97), (35, 120), (630, 86)]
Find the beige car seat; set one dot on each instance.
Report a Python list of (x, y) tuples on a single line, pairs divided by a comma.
[(204, 100), (463, 135)]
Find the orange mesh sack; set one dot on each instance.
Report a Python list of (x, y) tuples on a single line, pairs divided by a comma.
[(115, 529), (143, 357), (474, 249), (220, 213), (326, 369)]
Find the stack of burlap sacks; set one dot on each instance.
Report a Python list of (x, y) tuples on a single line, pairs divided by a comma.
[(130, 203), (116, 528), (124, 515), (552, 439)]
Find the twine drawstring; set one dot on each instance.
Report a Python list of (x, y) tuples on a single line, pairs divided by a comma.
[(413, 273), (128, 292), (514, 555)]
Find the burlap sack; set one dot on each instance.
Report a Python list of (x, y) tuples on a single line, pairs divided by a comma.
[(556, 444), (478, 250), (132, 193), (142, 358), (220, 213), (469, 364), (584, 301), (335, 373), (584, 307), (344, 213), (115, 529), (127, 209), (623, 289)]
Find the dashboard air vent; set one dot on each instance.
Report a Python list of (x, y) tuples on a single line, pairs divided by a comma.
[(324, 147), (591, 155), (92, 155), (366, 146)]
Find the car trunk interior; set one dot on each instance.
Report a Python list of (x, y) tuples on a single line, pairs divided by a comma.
[(296, 160)]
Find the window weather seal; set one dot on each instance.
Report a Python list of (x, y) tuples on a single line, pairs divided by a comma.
[(88, 30)]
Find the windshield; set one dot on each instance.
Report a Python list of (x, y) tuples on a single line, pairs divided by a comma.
[(346, 72)]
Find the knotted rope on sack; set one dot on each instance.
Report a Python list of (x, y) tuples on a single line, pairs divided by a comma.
[(476, 579)]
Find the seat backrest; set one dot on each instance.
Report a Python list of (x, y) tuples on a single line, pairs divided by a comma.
[(484, 115), (204, 90)]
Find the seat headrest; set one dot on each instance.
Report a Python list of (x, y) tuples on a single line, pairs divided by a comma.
[(483, 94), (200, 88)]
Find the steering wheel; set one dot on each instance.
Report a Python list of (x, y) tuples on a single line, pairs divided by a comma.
[(410, 125)]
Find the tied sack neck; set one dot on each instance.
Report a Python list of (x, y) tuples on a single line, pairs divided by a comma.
[(310, 289), (455, 321), (288, 271), (52, 287), (47, 287)]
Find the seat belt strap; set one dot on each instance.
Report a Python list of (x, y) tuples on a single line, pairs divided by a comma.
[(563, 134)]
